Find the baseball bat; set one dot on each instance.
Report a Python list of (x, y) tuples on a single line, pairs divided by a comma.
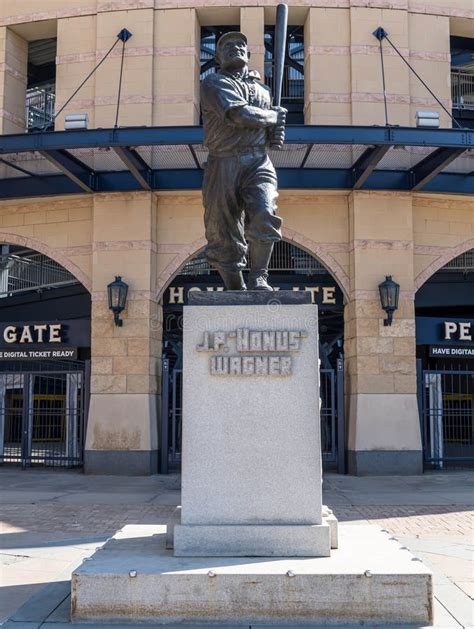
[(279, 50)]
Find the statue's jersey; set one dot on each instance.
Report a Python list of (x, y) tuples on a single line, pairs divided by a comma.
[(221, 92)]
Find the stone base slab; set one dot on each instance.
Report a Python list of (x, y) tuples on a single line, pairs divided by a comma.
[(120, 462), (385, 462), (327, 515), (252, 540), (370, 579)]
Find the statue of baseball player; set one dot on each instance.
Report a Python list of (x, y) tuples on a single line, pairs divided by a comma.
[(240, 183)]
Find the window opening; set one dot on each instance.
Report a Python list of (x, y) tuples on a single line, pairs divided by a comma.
[(462, 79), (41, 85), (293, 75)]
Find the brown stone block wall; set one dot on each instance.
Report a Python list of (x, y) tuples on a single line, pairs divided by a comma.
[(176, 67), (381, 360), (252, 22), (13, 78), (59, 227), (130, 351), (366, 74), (430, 56), (443, 228), (76, 57), (327, 66), (137, 84)]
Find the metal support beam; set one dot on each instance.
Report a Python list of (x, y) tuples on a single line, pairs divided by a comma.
[(154, 136), (306, 155), (434, 163), (191, 179), (367, 163), (136, 165), (73, 168)]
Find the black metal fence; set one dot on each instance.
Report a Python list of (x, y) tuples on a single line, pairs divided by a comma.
[(446, 402), (43, 411), (332, 416)]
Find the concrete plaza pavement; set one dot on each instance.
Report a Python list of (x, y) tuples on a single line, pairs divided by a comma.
[(52, 520)]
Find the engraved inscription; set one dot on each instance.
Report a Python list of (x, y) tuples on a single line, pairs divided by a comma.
[(257, 352)]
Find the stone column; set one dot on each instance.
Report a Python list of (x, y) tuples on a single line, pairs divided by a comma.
[(13, 76), (252, 23), (383, 421), (327, 63), (177, 42), (123, 421), (430, 55), (76, 57), (366, 74), (136, 96)]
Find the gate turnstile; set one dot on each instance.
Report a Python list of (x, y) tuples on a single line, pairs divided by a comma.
[(42, 415)]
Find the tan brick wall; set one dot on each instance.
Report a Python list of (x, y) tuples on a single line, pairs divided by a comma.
[(76, 57), (58, 227), (176, 67), (13, 68), (161, 69), (252, 23), (123, 245), (327, 66), (443, 227), (147, 237)]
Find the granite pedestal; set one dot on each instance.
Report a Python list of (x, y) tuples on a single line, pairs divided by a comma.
[(251, 453), (371, 579)]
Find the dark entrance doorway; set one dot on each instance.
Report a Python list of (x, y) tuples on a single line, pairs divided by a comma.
[(44, 360), (43, 407), (445, 364), (291, 268)]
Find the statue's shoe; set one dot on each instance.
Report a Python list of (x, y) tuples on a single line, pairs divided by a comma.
[(258, 283)]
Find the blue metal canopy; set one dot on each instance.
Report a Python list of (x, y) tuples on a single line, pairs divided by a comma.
[(172, 158)]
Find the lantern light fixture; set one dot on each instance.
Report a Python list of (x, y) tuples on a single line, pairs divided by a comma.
[(389, 294), (117, 294)]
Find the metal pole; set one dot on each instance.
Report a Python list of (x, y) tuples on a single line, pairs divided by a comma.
[(27, 420), (341, 423), (165, 375)]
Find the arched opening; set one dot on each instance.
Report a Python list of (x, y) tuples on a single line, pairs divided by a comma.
[(45, 314), (444, 307), (291, 268)]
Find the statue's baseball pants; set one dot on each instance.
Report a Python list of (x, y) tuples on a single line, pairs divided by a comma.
[(239, 194)]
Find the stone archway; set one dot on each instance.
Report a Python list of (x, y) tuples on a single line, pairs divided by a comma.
[(446, 254), (54, 254), (322, 252)]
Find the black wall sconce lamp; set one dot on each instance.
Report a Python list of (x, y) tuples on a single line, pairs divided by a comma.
[(117, 293), (389, 293)]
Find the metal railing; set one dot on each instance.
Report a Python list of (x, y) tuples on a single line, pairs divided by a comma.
[(26, 271), (39, 107), (285, 258), (464, 262), (462, 89), (446, 402), (43, 412), (293, 83)]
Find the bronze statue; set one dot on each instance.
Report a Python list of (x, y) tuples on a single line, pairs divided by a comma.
[(240, 183)]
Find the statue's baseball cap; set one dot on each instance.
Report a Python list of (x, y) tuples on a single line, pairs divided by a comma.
[(230, 36)]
